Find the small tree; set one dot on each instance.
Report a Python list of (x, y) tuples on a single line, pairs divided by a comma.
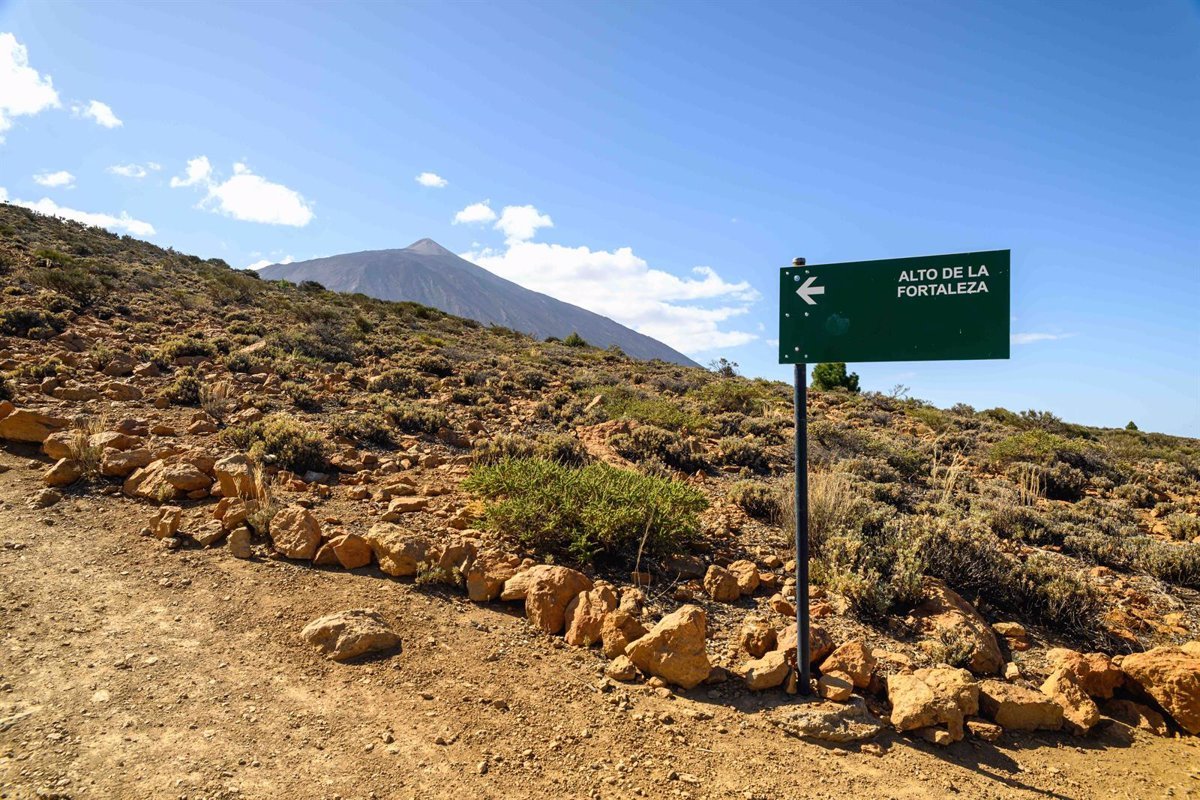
[(1132, 426), (834, 376), (724, 367), (575, 340)]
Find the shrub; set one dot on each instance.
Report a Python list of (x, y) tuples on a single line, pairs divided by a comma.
[(1136, 495), (416, 418), (74, 281), (760, 500), (741, 453), (363, 426), (438, 366), (1174, 563), (562, 448), (501, 447), (404, 382), (182, 347), (619, 402), (301, 396), (282, 440), (834, 376), (321, 341), (185, 390), (734, 395), (1183, 527), (594, 514), (649, 443), (575, 340), (974, 561), (245, 362), (876, 569), (1037, 446), (31, 324)]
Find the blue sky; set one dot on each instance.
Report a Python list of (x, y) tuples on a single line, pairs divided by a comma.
[(659, 162)]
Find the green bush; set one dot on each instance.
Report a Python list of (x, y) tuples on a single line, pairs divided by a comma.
[(182, 347), (501, 447), (184, 390), (417, 418), (597, 513), (620, 402), (834, 376), (575, 340), (282, 440), (1136, 495), (1183, 527), (649, 443), (31, 324), (1037, 446), (877, 569), (74, 281), (301, 396), (363, 426), (323, 340), (740, 453), (404, 382), (562, 448)]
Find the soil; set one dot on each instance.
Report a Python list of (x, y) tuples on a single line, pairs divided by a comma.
[(131, 670)]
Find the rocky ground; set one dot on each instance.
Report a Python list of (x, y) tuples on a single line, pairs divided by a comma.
[(132, 670), (209, 483)]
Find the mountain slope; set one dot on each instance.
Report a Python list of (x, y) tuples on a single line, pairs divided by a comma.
[(427, 273)]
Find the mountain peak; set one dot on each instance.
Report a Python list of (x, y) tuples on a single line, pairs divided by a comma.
[(428, 247)]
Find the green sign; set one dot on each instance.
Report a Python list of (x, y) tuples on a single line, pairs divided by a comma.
[(931, 308)]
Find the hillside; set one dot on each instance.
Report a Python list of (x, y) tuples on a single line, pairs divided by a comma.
[(429, 274), (579, 560)]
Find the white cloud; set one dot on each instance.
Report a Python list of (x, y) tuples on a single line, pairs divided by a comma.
[(97, 112), (266, 262), (121, 222), (246, 196), (432, 180), (1030, 338), (134, 170), (23, 90), (54, 179), (521, 223), (686, 313), (199, 170), (476, 212)]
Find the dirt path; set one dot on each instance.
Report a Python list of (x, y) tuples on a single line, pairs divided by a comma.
[(128, 670)]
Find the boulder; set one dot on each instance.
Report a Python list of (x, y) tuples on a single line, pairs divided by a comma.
[(757, 637), (161, 481), (829, 722), (399, 506), (934, 696), (1014, 707), (721, 584), (621, 669), (1095, 672), (1170, 675), (348, 550), (59, 445), (209, 533), (619, 629), (29, 426), (549, 590), (853, 659), (820, 643), (944, 612), (1079, 711), (746, 575), (295, 532), (348, 634), (487, 574), (239, 543), (64, 472), (767, 672), (835, 686), (235, 475), (586, 613), (398, 552), (674, 648), (165, 522), (119, 464), (982, 729)]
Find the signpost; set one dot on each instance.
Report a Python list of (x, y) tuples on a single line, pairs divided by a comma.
[(930, 308)]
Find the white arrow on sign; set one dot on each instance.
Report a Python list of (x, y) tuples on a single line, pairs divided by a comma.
[(807, 290)]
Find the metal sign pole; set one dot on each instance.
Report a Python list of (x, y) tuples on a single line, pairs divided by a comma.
[(801, 466)]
